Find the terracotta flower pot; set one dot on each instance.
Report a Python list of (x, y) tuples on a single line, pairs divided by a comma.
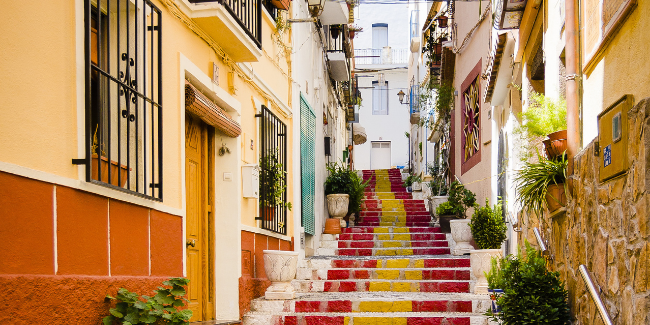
[(115, 171), (332, 226), (280, 268), (556, 144), (555, 197), (462, 234), (481, 260)]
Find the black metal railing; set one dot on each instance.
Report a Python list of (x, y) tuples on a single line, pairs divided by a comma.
[(248, 14), (123, 72), (270, 8), (273, 174)]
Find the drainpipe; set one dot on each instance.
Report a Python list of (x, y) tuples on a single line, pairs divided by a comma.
[(573, 75)]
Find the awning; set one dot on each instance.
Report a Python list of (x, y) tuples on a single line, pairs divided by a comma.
[(201, 106), (358, 134)]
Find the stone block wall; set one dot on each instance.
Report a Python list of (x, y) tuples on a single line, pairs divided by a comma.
[(607, 228)]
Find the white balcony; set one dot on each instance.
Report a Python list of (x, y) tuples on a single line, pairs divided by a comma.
[(339, 65)]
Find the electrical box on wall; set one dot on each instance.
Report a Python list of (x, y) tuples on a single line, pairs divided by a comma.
[(612, 138), (251, 178)]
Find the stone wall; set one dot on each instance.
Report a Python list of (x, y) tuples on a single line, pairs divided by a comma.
[(606, 227)]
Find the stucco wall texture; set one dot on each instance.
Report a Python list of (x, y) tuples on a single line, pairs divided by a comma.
[(253, 282), (62, 248)]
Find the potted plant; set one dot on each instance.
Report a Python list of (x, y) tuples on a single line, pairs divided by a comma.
[(530, 291), (413, 182), (489, 232), (119, 172), (273, 185), (442, 21), (541, 185), (546, 117), (344, 190), (353, 29), (460, 199), (495, 282)]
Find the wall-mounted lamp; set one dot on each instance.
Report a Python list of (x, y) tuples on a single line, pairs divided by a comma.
[(401, 95)]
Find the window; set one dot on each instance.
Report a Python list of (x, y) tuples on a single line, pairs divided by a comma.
[(124, 96), (379, 98), (471, 119), (379, 41), (273, 174)]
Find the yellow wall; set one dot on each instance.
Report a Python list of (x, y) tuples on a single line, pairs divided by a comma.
[(38, 116), (623, 68), (42, 92)]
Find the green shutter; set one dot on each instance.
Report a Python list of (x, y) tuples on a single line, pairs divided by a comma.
[(307, 164)]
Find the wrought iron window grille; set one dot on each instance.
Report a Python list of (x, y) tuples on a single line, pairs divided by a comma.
[(273, 174), (123, 73)]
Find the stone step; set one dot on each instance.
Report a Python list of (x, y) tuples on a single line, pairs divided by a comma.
[(386, 243), (376, 302), (391, 251), (391, 224), (327, 262), (360, 285), (365, 319), (367, 213), (401, 236), (385, 274), (387, 230)]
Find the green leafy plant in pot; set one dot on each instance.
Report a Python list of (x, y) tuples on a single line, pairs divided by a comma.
[(489, 231), (273, 185), (531, 293), (163, 308), (545, 117), (541, 185), (344, 190), (460, 199)]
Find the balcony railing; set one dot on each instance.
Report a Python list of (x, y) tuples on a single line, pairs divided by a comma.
[(414, 99), (247, 13), (381, 56)]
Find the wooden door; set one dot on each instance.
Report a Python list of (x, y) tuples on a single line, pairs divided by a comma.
[(198, 218)]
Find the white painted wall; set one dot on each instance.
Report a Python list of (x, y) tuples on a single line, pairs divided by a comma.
[(389, 127), (313, 84)]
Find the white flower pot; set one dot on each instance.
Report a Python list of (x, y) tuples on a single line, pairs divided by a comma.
[(417, 186), (435, 201), (337, 205), (462, 234), (481, 260), (280, 268)]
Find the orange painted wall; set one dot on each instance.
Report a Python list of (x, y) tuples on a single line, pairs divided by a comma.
[(253, 282), (62, 248)]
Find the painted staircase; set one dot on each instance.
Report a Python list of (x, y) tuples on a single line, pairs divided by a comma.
[(391, 267)]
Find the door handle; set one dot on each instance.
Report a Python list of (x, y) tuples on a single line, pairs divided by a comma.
[(190, 242)]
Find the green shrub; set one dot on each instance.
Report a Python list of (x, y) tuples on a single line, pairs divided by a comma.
[(531, 294), (342, 180), (162, 308), (445, 209), (534, 179), (488, 226), (460, 199), (410, 179)]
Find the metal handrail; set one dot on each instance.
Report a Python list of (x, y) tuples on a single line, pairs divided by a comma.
[(586, 276), (540, 241)]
